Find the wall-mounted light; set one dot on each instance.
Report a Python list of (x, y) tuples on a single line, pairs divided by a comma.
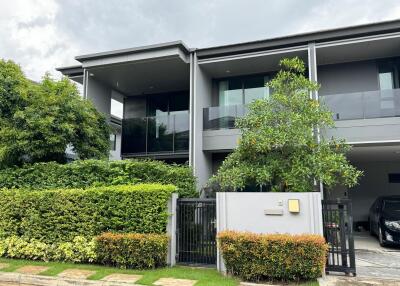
[(91, 74)]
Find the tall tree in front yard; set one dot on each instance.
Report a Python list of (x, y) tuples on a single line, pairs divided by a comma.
[(278, 148), (39, 120)]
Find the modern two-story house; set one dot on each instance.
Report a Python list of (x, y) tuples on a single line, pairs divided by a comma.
[(180, 104)]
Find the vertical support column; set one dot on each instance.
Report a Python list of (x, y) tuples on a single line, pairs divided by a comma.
[(171, 229), (85, 83), (191, 109), (313, 76), (202, 93)]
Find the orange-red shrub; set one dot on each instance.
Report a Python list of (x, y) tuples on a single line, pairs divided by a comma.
[(132, 250), (286, 257)]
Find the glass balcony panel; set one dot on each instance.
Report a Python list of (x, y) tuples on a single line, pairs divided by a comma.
[(222, 117), (160, 134), (345, 106), (364, 105), (134, 135), (181, 127)]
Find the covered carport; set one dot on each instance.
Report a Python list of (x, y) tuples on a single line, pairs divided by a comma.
[(379, 162)]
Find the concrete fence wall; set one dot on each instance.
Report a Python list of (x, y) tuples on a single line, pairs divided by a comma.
[(268, 213)]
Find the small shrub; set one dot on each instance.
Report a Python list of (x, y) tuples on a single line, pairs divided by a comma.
[(53, 216), (256, 257), (84, 174), (132, 250), (79, 250)]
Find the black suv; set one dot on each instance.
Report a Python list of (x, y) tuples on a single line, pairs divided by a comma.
[(384, 220)]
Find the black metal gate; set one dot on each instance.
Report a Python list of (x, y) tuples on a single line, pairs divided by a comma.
[(196, 231), (338, 232)]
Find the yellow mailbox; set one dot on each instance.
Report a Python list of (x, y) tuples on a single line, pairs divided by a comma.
[(294, 205)]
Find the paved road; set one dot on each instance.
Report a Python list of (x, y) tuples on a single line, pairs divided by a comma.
[(372, 260)]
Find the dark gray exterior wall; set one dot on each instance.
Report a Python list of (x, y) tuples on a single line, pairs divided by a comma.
[(100, 95), (348, 77)]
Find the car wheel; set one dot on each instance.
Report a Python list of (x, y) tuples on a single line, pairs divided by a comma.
[(380, 236)]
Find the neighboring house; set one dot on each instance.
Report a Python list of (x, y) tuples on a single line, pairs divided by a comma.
[(180, 104)]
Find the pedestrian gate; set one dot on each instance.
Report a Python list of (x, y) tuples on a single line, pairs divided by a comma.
[(196, 231), (338, 232)]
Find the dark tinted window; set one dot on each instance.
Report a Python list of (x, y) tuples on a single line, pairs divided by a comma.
[(391, 205), (394, 178), (161, 104)]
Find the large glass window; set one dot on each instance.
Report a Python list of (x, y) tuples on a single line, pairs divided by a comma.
[(170, 103), (242, 90)]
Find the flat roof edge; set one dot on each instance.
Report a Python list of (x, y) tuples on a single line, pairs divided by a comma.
[(74, 67), (301, 38), (178, 44)]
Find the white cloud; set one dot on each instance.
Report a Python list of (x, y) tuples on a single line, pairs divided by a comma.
[(29, 36), (44, 34)]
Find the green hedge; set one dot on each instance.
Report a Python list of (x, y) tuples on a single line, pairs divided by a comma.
[(256, 257), (87, 173), (79, 250), (132, 250), (60, 215)]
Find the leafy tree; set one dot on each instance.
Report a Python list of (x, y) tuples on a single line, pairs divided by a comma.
[(39, 120), (278, 148)]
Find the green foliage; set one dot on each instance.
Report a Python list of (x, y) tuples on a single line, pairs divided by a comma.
[(285, 257), (279, 149), (60, 215), (39, 120), (132, 250), (79, 250), (87, 173)]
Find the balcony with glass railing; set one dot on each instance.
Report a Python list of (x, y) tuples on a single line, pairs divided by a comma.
[(364, 105), (163, 134), (222, 117)]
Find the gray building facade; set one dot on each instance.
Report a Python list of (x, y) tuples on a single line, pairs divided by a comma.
[(180, 104)]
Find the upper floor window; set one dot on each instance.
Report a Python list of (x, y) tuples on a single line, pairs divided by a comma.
[(117, 108), (168, 104), (242, 90), (388, 75)]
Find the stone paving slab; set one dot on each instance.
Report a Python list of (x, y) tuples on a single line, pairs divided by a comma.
[(76, 273), (124, 278), (331, 280), (4, 265), (174, 282), (17, 279), (31, 269)]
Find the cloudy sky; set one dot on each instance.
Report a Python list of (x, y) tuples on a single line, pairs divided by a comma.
[(43, 34)]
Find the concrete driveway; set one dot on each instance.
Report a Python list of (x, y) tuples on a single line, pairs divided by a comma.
[(372, 260)]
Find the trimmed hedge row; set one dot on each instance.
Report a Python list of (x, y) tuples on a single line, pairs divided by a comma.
[(79, 250), (256, 257), (61, 215), (87, 173), (132, 250)]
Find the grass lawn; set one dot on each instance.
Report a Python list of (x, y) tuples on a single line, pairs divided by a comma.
[(205, 276)]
